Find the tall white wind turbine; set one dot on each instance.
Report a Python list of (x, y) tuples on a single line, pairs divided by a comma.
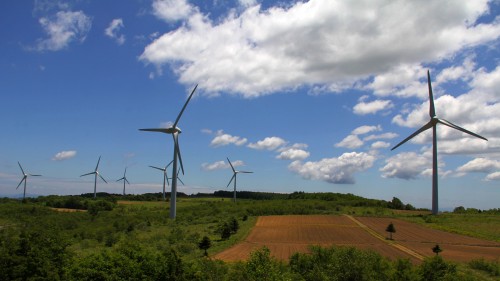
[(165, 176), (174, 131), (433, 124), (235, 172), (95, 173), (124, 179), (25, 179)]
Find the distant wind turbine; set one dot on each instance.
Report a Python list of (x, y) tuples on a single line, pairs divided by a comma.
[(234, 178), (174, 131), (179, 178), (124, 179), (96, 173), (25, 179), (433, 124), (165, 176)]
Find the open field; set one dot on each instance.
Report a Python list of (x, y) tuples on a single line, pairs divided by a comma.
[(284, 235)]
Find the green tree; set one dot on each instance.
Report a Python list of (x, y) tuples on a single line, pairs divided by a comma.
[(224, 230), (436, 249), (436, 268), (205, 244), (390, 229), (234, 225), (396, 204)]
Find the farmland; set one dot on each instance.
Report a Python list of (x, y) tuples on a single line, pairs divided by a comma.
[(285, 235)]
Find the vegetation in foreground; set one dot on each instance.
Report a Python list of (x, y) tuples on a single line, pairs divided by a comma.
[(138, 242)]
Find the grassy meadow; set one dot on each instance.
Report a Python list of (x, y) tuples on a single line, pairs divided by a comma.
[(114, 233)]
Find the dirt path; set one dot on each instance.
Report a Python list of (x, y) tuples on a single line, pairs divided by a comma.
[(389, 242)]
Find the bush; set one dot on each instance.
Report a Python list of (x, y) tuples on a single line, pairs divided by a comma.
[(492, 268), (436, 268)]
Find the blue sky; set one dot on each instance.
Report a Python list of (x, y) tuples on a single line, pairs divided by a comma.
[(309, 95)]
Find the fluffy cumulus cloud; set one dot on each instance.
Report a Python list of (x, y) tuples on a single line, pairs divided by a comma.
[(62, 29), (256, 52), (220, 165), (364, 108), (223, 139), (293, 154), (407, 165), (353, 140), (172, 10), (112, 31), (339, 170), (64, 155), (269, 143), (481, 165)]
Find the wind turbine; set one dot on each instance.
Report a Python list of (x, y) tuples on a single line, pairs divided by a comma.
[(25, 179), (124, 180), (433, 124), (174, 131), (234, 178), (96, 173), (165, 176)]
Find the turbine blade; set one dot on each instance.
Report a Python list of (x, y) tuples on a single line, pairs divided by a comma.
[(126, 180), (178, 149), (432, 110), (98, 163), (246, 172), (35, 175), (166, 177), (160, 130), (231, 165), (184, 107), (20, 167), (87, 174), (102, 178), (181, 181), (169, 164), (451, 125), (23, 179), (425, 127), (161, 169), (234, 175)]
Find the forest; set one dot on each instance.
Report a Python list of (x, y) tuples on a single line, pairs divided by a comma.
[(117, 237)]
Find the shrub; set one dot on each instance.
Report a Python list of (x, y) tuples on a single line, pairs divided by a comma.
[(493, 268)]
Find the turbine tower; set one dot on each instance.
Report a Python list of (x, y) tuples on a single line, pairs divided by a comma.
[(235, 172), (174, 131), (25, 179), (124, 180), (96, 173), (165, 176), (433, 124)]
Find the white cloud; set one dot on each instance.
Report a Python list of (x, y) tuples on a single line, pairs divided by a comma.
[(172, 10), (113, 29), (220, 165), (223, 139), (247, 3), (364, 108), (380, 136), (380, 144), (316, 43), (406, 165), (62, 29), (480, 165), (269, 143), (293, 154), (64, 155), (351, 141), (339, 170), (366, 129), (493, 176)]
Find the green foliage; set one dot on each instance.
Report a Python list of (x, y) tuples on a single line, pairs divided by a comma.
[(490, 267), (404, 271), (436, 249), (436, 268), (234, 225), (391, 229), (340, 263), (205, 244), (261, 267)]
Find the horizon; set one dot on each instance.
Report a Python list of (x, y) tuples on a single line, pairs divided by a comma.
[(309, 96)]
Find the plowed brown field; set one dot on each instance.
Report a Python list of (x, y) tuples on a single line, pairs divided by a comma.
[(285, 235)]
